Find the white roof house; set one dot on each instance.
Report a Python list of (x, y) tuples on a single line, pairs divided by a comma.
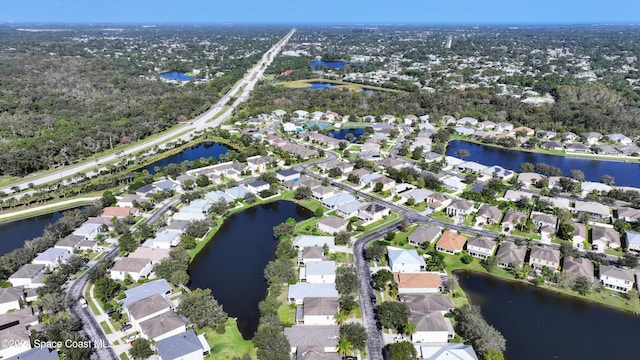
[(319, 272), (52, 257), (297, 292), (401, 260), (304, 241)]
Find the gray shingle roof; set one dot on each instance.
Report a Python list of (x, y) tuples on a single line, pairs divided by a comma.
[(320, 306), (147, 306), (510, 253), (427, 302), (178, 345), (146, 290), (424, 233), (161, 324), (314, 335)]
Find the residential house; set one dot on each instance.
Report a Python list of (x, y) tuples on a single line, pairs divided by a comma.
[(503, 127), (143, 291), (136, 268), (89, 231), (424, 234), (615, 278), (334, 201), (580, 235), (488, 214), (480, 247), (322, 192), (301, 114), (350, 209), (515, 195), (288, 175), (11, 298), (217, 196), (258, 186), (418, 283), (510, 254), (523, 129), (591, 138), (373, 212), (260, 163), (633, 241), (461, 130), (467, 121), (451, 242), (486, 125), (544, 257), (551, 145), (69, 243), (446, 351), (319, 272), (628, 150), (387, 183), (310, 254), (575, 268), (628, 214), (315, 338), (402, 260), (37, 353), (428, 303), (459, 207), (164, 239), (183, 346), (167, 184), (52, 258), (155, 255), (594, 209), (127, 200), (299, 291), (28, 275), (604, 237), (431, 327), (147, 308), (163, 326), (15, 330), (512, 219), (577, 148), (607, 150), (304, 241), (569, 136), (541, 220), (319, 310), (529, 179), (118, 212)]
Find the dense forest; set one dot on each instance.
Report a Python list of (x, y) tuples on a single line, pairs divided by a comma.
[(63, 100)]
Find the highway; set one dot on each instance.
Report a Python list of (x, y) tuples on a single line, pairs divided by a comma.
[(242, 90)]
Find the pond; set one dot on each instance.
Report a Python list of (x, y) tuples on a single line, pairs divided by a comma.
[(232, 263), (319, 86), (331, 64), (13, 234), (625, 174), (540, 324), (176, 76), (195, 152), (341, 134)]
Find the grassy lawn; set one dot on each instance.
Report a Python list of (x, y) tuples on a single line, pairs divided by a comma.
[(90, 302), (393, 217), (286, 311), (341, 257), (105, 328), (230, 344), (495, 228), (441, 216), (124, 356), (614, 252)]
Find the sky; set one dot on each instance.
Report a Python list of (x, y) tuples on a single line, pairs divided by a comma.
[(469, 12)]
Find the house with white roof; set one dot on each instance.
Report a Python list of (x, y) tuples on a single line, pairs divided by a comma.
[(136, 268), (28, 275), (89, 231), (10, 299), (299, 291), (304, 241), (52, 258), (633, 241), (615, 278), (148, 289), (446, 351), (333, 202), (402, 260), (164, 239), (350, 209), (319, 272)]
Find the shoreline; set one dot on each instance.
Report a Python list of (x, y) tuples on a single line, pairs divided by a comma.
[(628, 160)]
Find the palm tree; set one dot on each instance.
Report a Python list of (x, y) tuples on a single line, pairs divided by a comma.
[(344, 347), (341, 317), (409, 328)]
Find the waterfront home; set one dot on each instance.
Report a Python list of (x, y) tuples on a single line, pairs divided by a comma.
[(481, 134), (332, 225), (143, 291), (418, 283), (575, 268), (402, 260), (498, 171), (619, 138), (604, 237), (472, 167), (334, 201), (615, 278), (147, 308), (607, 150), (428, 303), (237, 192), (164, 239), (431, 327), (446, 351), (580, 235), (118, 212), (288, 175), (318, 311), (322, 192), (593, 209), (503, 127), (310, 254), (452, 162), (69, 243), (136, 268), (459, 207), (628, 150), (515, 195), (590, 186), (350, 209), (424, 234), (488, 214), (319, 272), (258, 186), (28, 275), (529, 179), (541, 257), (633, 241), (577, 148), (52, 258), (318, 339), (11, 299), (461, 130), (15, 329), (480, 247), (513, 219), (451, 242), (299, 291), (551, 145), (373, 212), (183, 346), (486, 125), (163, 326), (155, 255), (303, 241), (509, 254), (591, 138), (628, 214)]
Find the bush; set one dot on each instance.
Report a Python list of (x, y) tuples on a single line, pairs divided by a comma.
[(466, 259)]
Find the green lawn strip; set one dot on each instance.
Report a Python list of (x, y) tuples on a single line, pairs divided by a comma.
[(38, 210), (441, 216), (90, 302), (124, 356), (105, 328), (286, 311), (230, 344)]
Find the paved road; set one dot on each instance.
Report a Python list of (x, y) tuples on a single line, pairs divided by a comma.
[(374, 341), (199, 124)]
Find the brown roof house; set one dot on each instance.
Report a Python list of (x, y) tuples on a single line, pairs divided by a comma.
[(544, 257), (510, 254), (489, 214), (480, 247), (451, 242), (603, 237), (575, 268), (418, 283)]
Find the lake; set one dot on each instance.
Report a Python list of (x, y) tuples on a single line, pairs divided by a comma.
[(330, 64), (13, 234), (625, 174), (340, 134), (175, 76), (195, 152), (539, 324), (232, 263), (319, 86)]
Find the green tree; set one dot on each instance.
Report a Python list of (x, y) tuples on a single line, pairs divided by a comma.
[(393, 315), (607, 179), (127, 243), (346, 280), (490, 263), (279, 271), (283, 229), (271, 343), (341, 316), (249, 198), (203, 180), (378, 187), (342, 238), (629, 260), (577, 175), (201, 309), (318, 212), (472, 327), (565, 231), (344, 347), (302, 193), (403, 350), (582, 285), (381, 278), (141, 349), (105, 289), (375, 252), (527, 167), (335, 172), (463, 153), (108, 199)]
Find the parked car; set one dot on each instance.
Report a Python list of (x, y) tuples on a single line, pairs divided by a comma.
[(125, 327)]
